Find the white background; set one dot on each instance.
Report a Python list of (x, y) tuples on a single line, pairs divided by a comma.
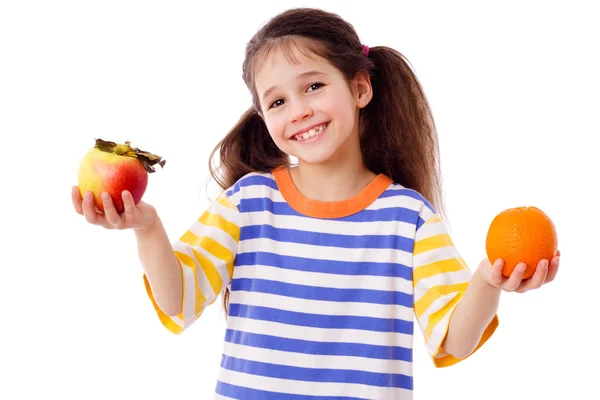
[(514, 88)]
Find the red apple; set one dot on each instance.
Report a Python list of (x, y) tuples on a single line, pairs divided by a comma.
[(113, 167)]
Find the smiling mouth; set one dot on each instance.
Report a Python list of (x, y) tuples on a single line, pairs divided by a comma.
[(316, 131)]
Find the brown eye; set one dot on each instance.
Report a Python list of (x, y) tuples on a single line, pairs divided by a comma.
[(315, 86), (275, 103)]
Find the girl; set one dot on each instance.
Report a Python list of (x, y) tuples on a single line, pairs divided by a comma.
[(322, 264)]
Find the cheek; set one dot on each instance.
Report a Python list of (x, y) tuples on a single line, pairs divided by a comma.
[(339, 106), (344, 115), (276, 129)]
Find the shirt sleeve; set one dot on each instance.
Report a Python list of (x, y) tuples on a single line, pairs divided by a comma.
[(206, 255), (440, 279)]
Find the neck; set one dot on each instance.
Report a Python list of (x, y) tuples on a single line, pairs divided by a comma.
[(333, 180)]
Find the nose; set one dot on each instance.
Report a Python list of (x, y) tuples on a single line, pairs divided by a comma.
[(300, 111)]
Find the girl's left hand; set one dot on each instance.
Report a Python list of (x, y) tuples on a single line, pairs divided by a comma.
[(544, 273)]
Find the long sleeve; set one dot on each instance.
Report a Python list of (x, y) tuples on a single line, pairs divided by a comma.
[(440, 279), (206, 253)]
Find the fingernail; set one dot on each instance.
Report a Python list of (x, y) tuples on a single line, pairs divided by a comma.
[(545, 264), (521, 268), (104, 196), (88, 196)]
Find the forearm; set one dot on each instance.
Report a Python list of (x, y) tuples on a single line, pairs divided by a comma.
[(471, 317), (161, 267)]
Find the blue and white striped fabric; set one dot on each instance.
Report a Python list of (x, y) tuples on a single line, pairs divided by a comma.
[(323, 295)]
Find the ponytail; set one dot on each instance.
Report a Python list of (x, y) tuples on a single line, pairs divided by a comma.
[(248, 147), (398, 135)]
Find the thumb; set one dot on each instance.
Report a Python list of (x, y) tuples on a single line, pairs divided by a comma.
[(494, 272)]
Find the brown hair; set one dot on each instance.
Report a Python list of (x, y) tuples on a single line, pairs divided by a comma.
[(398, 134)]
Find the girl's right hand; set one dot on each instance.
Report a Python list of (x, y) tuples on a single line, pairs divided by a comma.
[(137, 217)]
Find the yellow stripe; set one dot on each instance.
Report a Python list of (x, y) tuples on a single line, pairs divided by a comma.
[(164, 318), (225, 201), (212, 246), (438, 267), (448, 360), (435, 293), (213, 276), (200, 299), (433, 219), (437, 316), (431, 243), (216, 220), (209, 244)]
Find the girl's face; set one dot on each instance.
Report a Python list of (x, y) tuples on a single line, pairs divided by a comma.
[(309, 109)]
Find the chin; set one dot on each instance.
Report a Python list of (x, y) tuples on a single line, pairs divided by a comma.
[(314, 158)]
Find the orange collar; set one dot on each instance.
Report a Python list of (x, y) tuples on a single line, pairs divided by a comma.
[(328, 209)]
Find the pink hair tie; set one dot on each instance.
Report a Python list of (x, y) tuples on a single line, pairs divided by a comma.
[(365, 50)]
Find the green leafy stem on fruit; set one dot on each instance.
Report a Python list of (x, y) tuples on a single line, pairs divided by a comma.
[(148, 160)]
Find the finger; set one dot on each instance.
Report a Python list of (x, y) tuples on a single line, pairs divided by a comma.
[(77, 200), (110, 212), (129, 205), (496, 277), (552, 269), (91, 212), (89, 208), (513, 282), (557, 253), (538, 278)]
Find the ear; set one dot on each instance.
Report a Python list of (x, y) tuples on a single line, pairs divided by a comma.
[(363, 91)]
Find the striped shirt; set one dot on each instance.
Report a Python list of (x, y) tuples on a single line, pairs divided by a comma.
[(324, 295)]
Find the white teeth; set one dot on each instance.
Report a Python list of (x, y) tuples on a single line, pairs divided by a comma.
[(311, 133)]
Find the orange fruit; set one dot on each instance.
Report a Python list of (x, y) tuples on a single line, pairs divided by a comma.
[(521, 234)]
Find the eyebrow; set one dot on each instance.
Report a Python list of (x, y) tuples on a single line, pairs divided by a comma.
[(303, 75)]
